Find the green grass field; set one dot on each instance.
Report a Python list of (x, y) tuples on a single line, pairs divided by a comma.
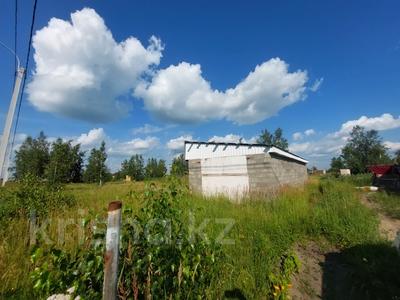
[(264, 231)]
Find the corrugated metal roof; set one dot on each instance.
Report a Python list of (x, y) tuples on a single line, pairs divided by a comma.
[(202, 150)]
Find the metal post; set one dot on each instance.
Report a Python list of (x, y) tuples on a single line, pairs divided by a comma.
[(7, 127), (112, 251)]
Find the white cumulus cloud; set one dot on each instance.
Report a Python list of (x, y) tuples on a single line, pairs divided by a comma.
[(93, 138), (332, 143), (132, 147), (180, 94), (297, 136), (232, 138), (309, 132), (177, 144), (383, 122), (114, 147), (229, 138), (82, 72)]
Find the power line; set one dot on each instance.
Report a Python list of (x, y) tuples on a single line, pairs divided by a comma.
[(26, 68)]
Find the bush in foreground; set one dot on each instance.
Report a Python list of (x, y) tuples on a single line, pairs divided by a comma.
[(33, 195), (159, 259)]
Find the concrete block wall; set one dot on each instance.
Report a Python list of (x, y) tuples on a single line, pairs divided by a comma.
[(195, 177), (261, 174), (287, 171), (267, 172)]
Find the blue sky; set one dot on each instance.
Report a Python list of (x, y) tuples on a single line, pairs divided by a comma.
[(197, 78)]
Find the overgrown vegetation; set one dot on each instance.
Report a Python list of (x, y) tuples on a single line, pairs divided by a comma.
[(373, 271), (341, 218), (389, 203), (179, 166), (33, 195), (357, 180), (240, 249), (159, 258)]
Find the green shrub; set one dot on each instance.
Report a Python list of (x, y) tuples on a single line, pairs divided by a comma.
[(158, 257), (280, 279), (33, 195)]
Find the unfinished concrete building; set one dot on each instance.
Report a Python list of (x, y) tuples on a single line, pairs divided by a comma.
[(238, 169)]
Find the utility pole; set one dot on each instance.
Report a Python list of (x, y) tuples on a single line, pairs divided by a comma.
[(7, 127)]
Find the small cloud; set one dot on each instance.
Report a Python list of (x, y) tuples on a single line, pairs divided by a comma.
[(93, 138), (177, 144), (147, 129), (384, 122), (393, 146), (309, 132), (135, 146), (232, 138), (115, 148), (317, 84), (229, 138), (297, 136)]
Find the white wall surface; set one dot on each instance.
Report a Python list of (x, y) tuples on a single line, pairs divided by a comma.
[(225, 175)]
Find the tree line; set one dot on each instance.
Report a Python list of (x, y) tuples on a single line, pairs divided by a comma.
[(63, 161), (59, 161)]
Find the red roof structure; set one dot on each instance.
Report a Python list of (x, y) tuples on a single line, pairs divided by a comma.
[(380, 169)]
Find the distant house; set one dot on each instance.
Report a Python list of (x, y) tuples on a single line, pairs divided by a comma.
[(236, 169), (345, 172)]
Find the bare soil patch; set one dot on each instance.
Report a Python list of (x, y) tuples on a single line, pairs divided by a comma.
[(321, 276)]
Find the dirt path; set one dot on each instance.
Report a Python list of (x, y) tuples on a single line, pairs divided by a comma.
[(321, 276), (388, 226), (308, 283), (321, 269)]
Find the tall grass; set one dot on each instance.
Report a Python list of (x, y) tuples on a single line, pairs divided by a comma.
[(264, 230), (363, 179), (341, 218), (389, 203)]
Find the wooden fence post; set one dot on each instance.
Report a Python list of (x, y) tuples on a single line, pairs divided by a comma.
[(112, 251)]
